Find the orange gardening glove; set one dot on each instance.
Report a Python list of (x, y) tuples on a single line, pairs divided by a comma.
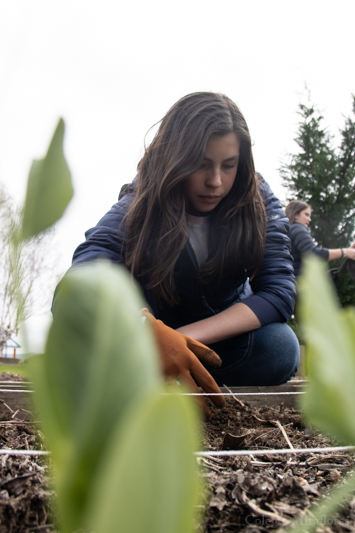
[(180, 359)]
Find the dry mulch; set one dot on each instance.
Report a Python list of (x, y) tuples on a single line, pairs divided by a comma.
[(249, 494), (26, 500), (263, 492)]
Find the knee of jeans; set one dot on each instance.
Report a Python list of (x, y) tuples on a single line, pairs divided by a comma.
[(287, 369), (284, 349)]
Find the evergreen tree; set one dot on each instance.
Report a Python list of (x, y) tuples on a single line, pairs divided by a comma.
[(324, 177), (346, 174)]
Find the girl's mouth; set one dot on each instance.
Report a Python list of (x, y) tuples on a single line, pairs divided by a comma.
[(209, 199)]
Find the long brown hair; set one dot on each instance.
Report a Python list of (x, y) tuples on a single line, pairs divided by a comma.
[(156, 221)]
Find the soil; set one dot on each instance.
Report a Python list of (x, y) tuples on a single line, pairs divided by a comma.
[(26, 501), (263, 492), (250, 494)]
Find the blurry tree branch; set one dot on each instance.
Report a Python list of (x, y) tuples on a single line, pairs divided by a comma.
[(26, 269)]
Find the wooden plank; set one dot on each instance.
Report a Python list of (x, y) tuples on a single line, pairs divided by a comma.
[(287, 394), (10, 361), (15, 400), (260, 399), (14, 385), (16, 395), (296, 385)]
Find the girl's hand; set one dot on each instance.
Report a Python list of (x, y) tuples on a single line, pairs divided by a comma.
[(350, 252), (181, 359)]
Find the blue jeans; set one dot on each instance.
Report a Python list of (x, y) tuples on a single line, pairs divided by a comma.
[(269, 355)]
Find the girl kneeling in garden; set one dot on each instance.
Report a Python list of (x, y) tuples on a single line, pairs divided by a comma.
[(207, 240)]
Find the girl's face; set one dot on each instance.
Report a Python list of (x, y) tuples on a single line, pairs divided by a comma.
[(304, 217), (213, 180)]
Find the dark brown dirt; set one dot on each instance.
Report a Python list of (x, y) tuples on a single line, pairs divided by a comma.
[(26, 500), (263, 492), (243, 494)]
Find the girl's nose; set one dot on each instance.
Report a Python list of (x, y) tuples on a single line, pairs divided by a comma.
[(214, 178)]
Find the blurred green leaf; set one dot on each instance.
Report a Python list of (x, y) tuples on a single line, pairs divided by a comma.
[(330, 350), (49, 188), (98, 362), (149, 480)]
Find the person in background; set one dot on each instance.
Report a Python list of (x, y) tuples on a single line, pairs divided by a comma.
[(207, 240), (299, 214)]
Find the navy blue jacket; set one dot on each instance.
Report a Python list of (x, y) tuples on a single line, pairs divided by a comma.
[(301, 242), (270, 295)]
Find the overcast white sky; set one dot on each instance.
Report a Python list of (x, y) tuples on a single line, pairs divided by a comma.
[(112, 69)]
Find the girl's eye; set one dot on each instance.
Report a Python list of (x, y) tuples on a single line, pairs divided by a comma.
[(203, 166), (229, 166)]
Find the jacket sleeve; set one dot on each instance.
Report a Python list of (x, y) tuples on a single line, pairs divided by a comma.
[(108, 238), (303, 242), (274, 285)]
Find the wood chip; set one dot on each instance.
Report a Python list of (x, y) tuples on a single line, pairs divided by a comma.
[(233, 442)]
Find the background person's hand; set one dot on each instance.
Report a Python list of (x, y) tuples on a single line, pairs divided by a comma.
[(181, 359), (350, 252)]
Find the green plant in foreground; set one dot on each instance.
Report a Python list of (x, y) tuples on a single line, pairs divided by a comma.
[(329, 333), (49, 188), (122, 452)]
